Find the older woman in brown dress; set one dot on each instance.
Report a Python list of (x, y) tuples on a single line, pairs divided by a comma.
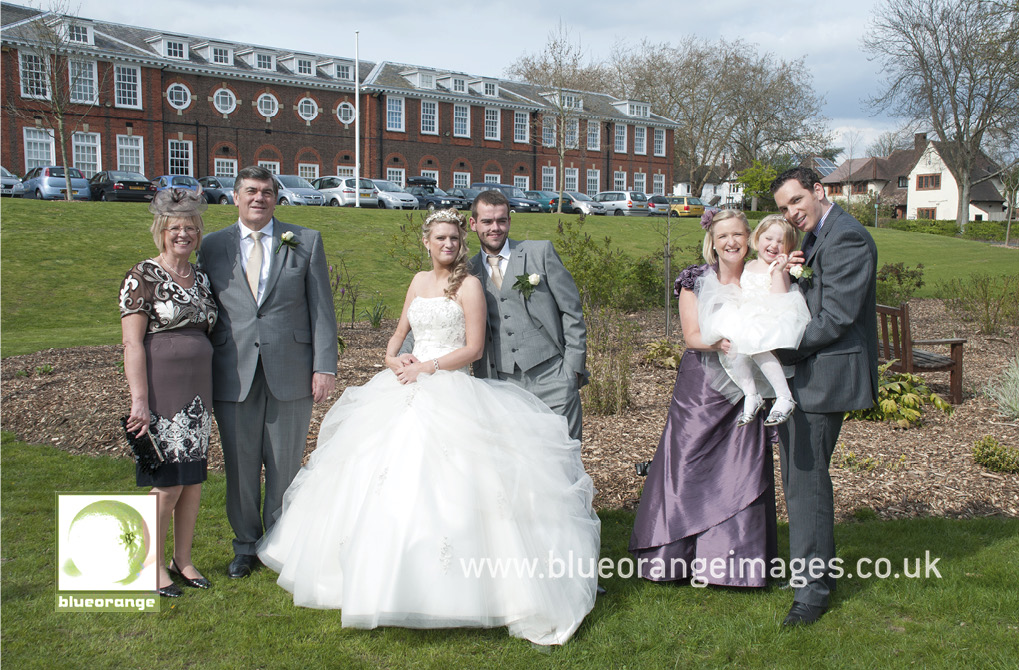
[(167, 314)]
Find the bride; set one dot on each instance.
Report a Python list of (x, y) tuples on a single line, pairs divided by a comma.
[(434, 499)]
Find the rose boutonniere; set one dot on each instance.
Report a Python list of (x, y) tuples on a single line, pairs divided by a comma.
[(799, 272), (287, 238), (526, 283)]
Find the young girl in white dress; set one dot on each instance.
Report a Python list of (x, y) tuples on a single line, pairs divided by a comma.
[(762, 315), (434, 499)]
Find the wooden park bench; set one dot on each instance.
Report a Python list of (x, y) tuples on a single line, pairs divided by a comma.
[(895, 341)]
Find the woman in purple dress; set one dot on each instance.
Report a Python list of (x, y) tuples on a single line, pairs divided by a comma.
[(707, 512)]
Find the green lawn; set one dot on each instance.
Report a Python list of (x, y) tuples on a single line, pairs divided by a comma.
[(969, 617), (62, 263)]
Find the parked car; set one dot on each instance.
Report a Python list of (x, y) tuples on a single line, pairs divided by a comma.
[(393, 196), (657, 205), (339, 191), (544, 199), (623, 203), (175, 181), (518, 202), (296, 190), (218, 190), (8, 181), (121, 186), (686, 205), (432, 197), (575, 202), (48, 182), (467, 194)]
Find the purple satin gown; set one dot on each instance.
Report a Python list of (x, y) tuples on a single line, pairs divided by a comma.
[(707, 511)]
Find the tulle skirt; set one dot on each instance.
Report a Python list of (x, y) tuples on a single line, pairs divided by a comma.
[(449, 502)]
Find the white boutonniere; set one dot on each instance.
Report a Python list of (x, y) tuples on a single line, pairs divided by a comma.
[(287, 238), (799, 272), (526, 283)]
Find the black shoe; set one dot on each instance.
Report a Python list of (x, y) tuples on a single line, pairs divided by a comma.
[(171, 591), (200, 583), (801, 614), (242, 565)]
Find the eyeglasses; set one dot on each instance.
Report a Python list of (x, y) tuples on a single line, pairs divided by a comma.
[(176, 230)]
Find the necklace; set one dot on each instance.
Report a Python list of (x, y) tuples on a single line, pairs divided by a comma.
[(166, 264)]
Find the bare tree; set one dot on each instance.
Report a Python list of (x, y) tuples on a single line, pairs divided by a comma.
[(890, 141), (952, 65)]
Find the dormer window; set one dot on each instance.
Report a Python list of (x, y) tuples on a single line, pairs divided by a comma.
[(264, 61), (343, 72), (304, 66), (222, 56), (426, 80), (491, 89), (638, 109), (80, 34), (459, 85), (174, 49), (170, 47), (571, 101)]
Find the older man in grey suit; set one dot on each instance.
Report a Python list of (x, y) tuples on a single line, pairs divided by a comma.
[(536, 337), (274, 353), (835, 372)]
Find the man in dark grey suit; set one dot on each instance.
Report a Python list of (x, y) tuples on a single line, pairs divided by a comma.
[(538, 342), (274, 353), (835, 372)]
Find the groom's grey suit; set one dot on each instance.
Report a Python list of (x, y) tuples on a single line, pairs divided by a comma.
[(540, 342), (836, 372), (264, 356)]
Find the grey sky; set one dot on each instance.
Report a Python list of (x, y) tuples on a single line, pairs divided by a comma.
[(483, 38)]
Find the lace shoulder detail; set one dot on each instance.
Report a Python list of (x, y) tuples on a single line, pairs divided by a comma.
[(688, 278)]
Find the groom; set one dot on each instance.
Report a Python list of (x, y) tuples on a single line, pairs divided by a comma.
[(274, 353), (836, 372), (536, 341)]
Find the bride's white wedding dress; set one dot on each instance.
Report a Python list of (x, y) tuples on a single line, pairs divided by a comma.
[(412, 488)]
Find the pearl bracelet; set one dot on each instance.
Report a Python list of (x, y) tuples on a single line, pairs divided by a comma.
[(436, 361)]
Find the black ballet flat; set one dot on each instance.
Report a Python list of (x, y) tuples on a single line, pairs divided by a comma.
[(200, 583), (171, 591)]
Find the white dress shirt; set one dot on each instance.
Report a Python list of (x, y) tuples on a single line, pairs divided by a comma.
[(503, 260), (246, 245)]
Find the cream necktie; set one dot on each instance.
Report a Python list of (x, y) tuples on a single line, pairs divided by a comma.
[(255, 264), (496, 272)]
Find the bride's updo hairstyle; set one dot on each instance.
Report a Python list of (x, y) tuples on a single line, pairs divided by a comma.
[(708, 223), (459, 270)]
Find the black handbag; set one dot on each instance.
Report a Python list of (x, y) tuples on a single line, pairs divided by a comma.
[(146, 453)]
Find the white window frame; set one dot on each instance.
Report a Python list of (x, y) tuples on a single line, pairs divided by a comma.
[(493, 124), (302, 108), (640, 182), (40, 139), (397, 176), (267, 98), (87, 143), (395, 113), (83, 82), (304, 66), (221, 56), (459, 85), (225, 167), (346, 107), (522, 181), (620, 138), (178, 151), (493, 178), (462, 116), (258, 63), (619, 180), (571, 179), (34, 71), (344, 170), (593, 182), (343, 72), (225, 110), (307, 170), (658, 183), (75, 33), (491, 89), (659, 146), (426, 80), (548, 178), (429, 117), (176, 49), (182, 94), (431, 174), (572, 137), (128, 148), (593, 135), (461, 179), (521, 127), (549, 126), (640, 140), (124, 89), (271, 166)]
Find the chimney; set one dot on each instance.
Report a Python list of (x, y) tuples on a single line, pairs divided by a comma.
[(920, 141)]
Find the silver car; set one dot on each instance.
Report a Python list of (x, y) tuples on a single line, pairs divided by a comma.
[(623, 203), (339, 191), (392, 196), (49, 183), (8, 181), (295, 190)]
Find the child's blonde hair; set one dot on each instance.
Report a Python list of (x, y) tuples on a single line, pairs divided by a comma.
[(790, 236)]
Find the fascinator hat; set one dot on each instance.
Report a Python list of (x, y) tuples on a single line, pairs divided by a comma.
[(178, 202)]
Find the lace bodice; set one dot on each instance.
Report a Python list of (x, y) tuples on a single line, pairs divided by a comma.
[(755, 284), (439, 326)]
